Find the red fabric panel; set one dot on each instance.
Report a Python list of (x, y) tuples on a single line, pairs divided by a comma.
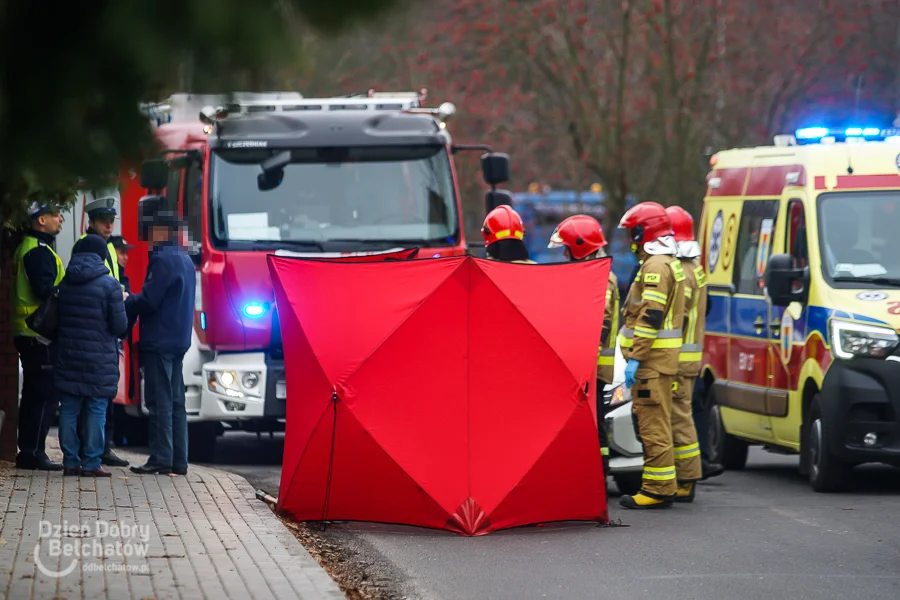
[(460, 391)]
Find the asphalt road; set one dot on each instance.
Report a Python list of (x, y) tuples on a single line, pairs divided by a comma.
[(757, 534)]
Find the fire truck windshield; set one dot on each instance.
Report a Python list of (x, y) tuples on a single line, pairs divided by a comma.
[(332, 199)]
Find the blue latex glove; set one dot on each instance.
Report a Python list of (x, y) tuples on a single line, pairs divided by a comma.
[(630, 369)]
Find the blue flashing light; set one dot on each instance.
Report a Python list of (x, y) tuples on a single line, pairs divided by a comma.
[(203, 321), (254, 309), (811, 133), (816, 134)]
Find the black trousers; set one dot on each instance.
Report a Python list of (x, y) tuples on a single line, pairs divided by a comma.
[(40, 400), (701, 419)]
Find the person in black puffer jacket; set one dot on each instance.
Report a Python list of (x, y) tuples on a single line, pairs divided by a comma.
[(91, 321)]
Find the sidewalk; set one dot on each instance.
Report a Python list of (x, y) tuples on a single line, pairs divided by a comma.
[(204, 535)]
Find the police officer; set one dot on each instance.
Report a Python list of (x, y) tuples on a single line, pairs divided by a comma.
[(583, 239), (121, 247), (36, 271), (688, 467), (503, 232), (651, 342), (101, 218)]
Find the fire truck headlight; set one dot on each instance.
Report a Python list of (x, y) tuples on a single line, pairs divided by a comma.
[(234, 384), (250, 380)]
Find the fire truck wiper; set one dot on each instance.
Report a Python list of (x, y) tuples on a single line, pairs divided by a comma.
[(269, 244), (892, 281)]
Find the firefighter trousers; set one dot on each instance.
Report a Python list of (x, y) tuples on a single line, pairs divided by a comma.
[(651, 403), (684, 434)]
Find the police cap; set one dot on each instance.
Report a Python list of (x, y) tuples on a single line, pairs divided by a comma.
[(36, 209), (119, 242), (101, 207)]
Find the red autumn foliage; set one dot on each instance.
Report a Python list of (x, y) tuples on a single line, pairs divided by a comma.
[(628, 93)]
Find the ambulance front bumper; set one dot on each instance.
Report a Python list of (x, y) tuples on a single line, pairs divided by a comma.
[(243, 386), (861, 406)]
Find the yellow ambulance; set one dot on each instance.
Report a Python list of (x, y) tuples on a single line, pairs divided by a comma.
[(802, 353)]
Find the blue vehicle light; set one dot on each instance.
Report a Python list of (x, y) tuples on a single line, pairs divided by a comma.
[(814, 135), (811, 133), (203, 321), (254, 309)]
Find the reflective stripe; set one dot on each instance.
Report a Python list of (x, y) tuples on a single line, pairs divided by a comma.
[(659, 473), (604, 451), (608, 295), (606, 361), (654, 296), (688, 292), (691, 353), (689, 451), (508, 233), (665, 338), (646, 332)]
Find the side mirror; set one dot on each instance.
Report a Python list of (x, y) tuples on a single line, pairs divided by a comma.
[(784, 282), (154, 174), (269, 180), (495, 168), (496, 198)]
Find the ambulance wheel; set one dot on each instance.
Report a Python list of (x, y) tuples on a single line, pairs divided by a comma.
[(826, 472), (202, 439), (724, 448), (628, 483)]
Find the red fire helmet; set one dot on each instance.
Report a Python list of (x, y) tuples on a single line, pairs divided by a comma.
[(682, 224), (502, 223), (646, 222), (581, 234)]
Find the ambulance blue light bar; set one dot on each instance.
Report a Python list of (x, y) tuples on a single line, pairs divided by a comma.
[(813, 135)]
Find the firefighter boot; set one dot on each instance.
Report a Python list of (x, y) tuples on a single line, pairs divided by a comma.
[(642, 501), (686, 491)]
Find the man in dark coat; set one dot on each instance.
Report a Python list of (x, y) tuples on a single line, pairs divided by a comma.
[(165, 308), (92, 320)]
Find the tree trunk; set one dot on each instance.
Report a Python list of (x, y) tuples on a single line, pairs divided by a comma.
[(9, 358)]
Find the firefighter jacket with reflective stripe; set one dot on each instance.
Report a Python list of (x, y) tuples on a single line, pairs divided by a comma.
[(606, 357), (694, 326), (24, 301), (653, 315)]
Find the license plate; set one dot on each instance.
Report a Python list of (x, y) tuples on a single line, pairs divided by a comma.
[(280, 390)]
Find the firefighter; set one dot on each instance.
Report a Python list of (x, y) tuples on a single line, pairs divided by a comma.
[(688, 466), (101, 218), (503, 232), (36, 270), (651, 342), (582, 238)]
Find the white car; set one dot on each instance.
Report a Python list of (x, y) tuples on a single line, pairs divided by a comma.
[(626, 454)]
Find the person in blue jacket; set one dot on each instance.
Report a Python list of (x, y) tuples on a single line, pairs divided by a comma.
[(165, 313), (92, 320)]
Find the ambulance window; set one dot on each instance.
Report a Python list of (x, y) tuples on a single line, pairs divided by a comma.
[(754, 245), (795, 244)]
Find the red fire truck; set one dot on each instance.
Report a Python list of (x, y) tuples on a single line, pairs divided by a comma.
[(257, 174)]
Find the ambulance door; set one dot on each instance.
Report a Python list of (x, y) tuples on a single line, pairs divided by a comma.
[(788, 332), (749, 323)]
